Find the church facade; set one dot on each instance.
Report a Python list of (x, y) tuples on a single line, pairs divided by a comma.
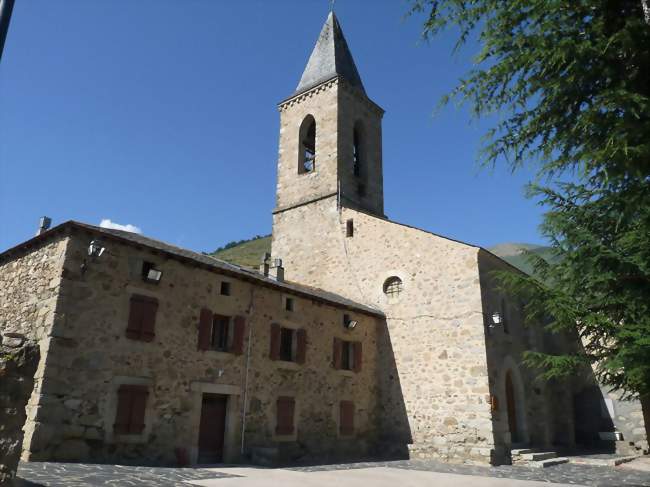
[(358, 337)]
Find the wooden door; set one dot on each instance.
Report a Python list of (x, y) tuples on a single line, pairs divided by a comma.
[(512, 411), (212, 428)]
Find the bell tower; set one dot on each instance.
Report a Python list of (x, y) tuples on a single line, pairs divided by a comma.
[(330, 133)]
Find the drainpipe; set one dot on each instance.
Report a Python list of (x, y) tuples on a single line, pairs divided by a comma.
[(248, 360)]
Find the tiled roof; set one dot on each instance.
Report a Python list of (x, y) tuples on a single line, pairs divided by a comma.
[(202, 260), (330, 58)]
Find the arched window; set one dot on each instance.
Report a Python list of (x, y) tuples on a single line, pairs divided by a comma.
[(307, 156), (393, 287), (356, 151)]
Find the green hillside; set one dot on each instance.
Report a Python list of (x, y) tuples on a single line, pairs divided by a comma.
[(513, 253), (248, 253)]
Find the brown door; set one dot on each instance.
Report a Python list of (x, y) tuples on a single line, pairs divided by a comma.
[(512, 412), (212, 428)]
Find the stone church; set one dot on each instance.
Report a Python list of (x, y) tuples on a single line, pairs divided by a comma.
[(358, 337)]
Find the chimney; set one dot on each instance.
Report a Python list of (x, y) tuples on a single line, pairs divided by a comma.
[(272, 268), (265, 265), (44, 224), (277, 271)]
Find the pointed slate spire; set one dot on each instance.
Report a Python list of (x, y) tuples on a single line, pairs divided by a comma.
[(331, 57)]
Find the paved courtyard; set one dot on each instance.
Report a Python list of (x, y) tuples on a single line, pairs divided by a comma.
[(377, 474)]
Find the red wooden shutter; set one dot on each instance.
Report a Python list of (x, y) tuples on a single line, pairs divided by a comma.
[(357, 356), (149, 310), (238, 335), (123, 412), (138, 405), (205, 329), (301, 346), (336, 353), (142, 318), (285, 410), (136, 314), (346, 418), (275, 342)]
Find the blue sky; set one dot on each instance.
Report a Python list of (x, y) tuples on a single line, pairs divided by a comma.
[(162, 114)]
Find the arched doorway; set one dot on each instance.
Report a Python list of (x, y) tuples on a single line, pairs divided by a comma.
[(511, 406)]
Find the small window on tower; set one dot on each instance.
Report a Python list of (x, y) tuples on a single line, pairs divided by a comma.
[(307, 162), (349, 228), (356, 153)]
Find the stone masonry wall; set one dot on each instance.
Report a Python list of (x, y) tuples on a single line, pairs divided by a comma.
[(29, 293), (544, 410), (90, 357), (355, 110), (293, 188), (434, 368), (18, 361), (337, 109)]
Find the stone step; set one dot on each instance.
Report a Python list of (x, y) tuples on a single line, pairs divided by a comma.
[(521, 451), (537, 456), (548, 463)]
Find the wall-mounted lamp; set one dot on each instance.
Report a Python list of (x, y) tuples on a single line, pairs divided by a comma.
[(496, 318), (150, 273), (96, 248), (349, 323)]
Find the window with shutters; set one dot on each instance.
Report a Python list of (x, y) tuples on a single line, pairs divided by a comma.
[(142, 318), (346, 418), (221, 333), (131, 408), (347, 355), (288, 344), (285, 408)]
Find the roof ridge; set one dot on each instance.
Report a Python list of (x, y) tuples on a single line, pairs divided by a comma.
[(197, 258)]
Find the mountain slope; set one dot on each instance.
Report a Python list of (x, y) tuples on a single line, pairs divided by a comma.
[(513, 253), (249, 253)]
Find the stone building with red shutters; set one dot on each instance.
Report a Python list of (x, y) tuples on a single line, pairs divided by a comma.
[(358, 336)]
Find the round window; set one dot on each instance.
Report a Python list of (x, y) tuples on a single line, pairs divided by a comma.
[(393, 287)]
